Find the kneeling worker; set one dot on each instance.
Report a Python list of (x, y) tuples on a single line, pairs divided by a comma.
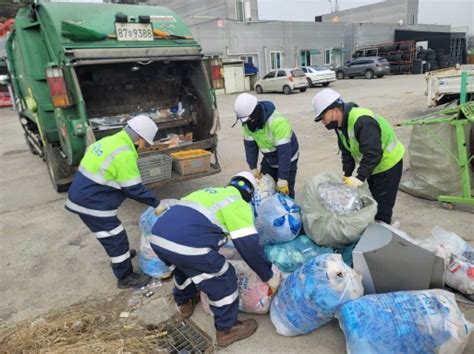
[(188, 236), (272, 134), (368, 139), (108, 173)]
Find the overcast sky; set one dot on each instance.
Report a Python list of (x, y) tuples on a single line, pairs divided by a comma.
[(457, 13)]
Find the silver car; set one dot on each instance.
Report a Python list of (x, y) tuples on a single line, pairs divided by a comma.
[(282, 80), (367, 66)]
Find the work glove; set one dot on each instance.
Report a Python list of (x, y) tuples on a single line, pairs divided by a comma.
[(256, 173), (353, 182), (164, 205), (274, 282), (282, 186), (160, 208)]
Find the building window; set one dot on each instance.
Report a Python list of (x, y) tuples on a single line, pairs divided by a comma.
[(249, 59), (327, 56), (275, 58), (240, 11), (305, 58), (413, 19)]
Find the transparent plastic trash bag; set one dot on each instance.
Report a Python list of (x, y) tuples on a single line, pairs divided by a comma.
[(427, 321), (148, 261), (310, 296), (278, 219)]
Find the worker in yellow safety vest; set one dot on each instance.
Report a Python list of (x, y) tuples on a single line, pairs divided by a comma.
[(367, 139)]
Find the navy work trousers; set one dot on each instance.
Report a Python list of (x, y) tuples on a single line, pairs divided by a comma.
[(384, 188), (113, 237)]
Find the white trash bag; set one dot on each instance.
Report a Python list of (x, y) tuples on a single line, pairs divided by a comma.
[(330, 228)]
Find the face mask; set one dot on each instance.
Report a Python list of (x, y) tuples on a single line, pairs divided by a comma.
[(252, 124), (332, 125)]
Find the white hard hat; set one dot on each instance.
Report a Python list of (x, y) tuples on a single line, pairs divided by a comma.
[(247, 176), (144, 126), (322, 100), (244, 106)]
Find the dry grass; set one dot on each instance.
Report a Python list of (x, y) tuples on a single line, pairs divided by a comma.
[(85, 327)]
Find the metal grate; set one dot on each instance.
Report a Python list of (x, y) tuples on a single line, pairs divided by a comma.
[(185, 337)]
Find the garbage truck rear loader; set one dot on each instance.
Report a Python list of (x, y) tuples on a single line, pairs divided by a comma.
[(79, 71)]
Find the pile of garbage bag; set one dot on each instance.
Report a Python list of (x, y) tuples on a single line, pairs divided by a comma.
[(310, 296), (427, 321), (254, 294), (278, 219), (458, 256), (148, 261), (333, 215), (288, 256)]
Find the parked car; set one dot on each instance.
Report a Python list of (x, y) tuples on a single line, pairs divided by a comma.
[(319, 74), (367, 66), (282, 80)]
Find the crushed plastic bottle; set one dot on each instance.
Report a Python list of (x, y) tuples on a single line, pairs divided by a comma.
[(310, 296), (427, 321), (339, 198)]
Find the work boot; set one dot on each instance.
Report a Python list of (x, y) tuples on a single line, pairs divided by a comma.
[(241, 330), (133, 253), (186, 310), (133, 280)]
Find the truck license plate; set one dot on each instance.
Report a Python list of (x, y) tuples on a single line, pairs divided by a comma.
[(134, 31)]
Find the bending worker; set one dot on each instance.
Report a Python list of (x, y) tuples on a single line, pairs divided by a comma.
[(367, 139), (108, 173), (188, 236), (271, 133)]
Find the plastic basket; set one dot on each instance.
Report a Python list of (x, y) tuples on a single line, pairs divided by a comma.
[(155, 168), (191, 161)]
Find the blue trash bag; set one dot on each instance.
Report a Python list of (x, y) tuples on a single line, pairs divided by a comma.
[(288, 256), (148, 261), (310, 296), (278, 219), (427, 321)]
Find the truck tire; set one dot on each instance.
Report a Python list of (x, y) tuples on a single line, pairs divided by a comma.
[(286, 90), (259, 89), (369, 74), (60, 172)]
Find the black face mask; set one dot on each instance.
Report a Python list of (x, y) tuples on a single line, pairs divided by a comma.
[(332, 125), (255, 120)]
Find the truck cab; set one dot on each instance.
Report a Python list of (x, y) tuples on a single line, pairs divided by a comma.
[(79, 71)]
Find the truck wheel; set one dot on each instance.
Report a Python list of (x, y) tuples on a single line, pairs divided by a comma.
[(369, 74), (60, 172), (259, 89), (30, 146), (325, 84), (340, 75), (286, 90)]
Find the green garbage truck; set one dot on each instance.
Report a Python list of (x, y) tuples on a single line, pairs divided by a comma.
[(79, 71)]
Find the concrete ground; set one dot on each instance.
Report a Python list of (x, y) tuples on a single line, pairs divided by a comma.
[(50, 260)]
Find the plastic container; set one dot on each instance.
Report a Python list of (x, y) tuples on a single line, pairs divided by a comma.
[(191, 161), (155, 167)]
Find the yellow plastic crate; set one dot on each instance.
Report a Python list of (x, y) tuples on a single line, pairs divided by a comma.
[(191, 161)]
